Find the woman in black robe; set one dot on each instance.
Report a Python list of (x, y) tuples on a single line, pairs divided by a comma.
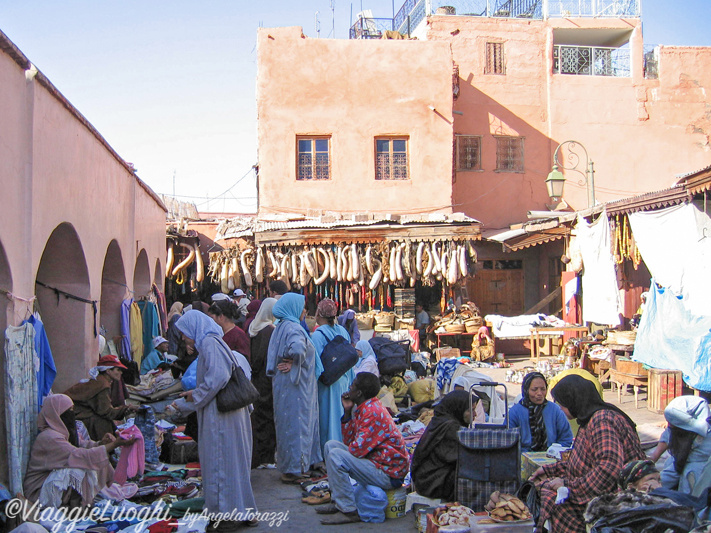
[(434, 464)]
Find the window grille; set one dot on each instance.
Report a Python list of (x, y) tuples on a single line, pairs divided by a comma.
[(468, 152), (313, 159), (509, 154), (495, 58), (391, 158)]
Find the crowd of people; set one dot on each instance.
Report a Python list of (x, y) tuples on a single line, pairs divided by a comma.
[(309, 429)]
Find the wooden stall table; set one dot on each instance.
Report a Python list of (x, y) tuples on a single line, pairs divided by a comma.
[(636, 380), (456, 338), (536, 334)]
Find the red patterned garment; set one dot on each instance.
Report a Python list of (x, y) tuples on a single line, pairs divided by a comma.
[(371, 434), (603, 446)]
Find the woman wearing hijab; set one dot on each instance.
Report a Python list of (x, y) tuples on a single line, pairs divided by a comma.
[(252, 309), (330, 407), (225, 313), (348, 321), (263, 432), (92, 398), (367, 362), (688, 440), (291, 363), (606, 441), (434, 464), (59, 466), (173, 335), (540, 422), (225, 439)]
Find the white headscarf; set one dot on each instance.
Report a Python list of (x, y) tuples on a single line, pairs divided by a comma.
[(263, 318)]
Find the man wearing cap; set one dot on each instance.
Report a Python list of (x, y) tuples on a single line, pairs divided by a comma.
[(92, 398), (240, 298), (156, 356)]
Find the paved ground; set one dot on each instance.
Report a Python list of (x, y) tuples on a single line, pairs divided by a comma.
[(273, 496)]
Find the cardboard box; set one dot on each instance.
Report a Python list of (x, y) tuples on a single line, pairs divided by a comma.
[(446, 352), (532, 461)]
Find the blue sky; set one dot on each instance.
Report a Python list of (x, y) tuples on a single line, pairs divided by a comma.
[(171, 84)]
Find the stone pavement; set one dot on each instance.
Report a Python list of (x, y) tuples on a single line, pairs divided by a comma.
[(274, 496)]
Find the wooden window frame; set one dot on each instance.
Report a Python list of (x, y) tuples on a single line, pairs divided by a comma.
[(517, 167), (458, 160), (495, 60), (391, 163), (314, 155)]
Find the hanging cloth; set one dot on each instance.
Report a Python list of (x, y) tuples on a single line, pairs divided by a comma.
[(162, 307), (47, 370), (136, 335), (21, 365), (151, 325), (126, 328), (601, 298)]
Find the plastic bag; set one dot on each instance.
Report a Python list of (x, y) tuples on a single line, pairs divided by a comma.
[(189, 379), (528, 494), (371, 503), (647, 519)]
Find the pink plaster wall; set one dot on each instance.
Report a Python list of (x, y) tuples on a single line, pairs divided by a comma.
[(54, 172), (354, 91), (640, 133)]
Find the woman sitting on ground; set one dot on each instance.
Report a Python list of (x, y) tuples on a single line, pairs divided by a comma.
[(540, 422), (688, 440), (92, 398), (434, 464), (367, 362), (63, 471), (606, 441)]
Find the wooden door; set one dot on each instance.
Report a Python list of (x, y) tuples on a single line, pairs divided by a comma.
[(498, 292)]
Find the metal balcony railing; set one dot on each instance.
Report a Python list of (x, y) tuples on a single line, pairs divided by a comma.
[(594, 8), (410, 15), (591, 61), (370, 28)]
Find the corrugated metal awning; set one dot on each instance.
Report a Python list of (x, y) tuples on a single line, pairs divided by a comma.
[(538, 237)]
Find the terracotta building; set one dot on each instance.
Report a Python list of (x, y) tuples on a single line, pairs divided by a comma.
[(75, 218), (468, 117)]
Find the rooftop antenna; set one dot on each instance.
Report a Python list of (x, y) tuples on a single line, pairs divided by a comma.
[(317, 25), (333, 18)]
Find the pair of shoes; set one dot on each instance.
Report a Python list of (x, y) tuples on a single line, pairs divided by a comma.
[(317, 498), (342, 518), (328, 509), (292, 479)]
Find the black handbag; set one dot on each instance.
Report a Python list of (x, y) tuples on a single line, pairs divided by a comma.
[(238, 393), (528, 494)]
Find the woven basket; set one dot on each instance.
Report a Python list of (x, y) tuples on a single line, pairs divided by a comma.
[(365, 321), (473, 324), (455, 328), (384, 319)]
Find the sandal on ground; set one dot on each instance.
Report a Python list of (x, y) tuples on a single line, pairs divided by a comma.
[(318, 498), (292, 479)]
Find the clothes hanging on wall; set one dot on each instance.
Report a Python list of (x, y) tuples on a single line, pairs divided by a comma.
[(162, 307), (151, 325), (601, 298), (126, 328), (47, 370), (21, 365), (136, 334)]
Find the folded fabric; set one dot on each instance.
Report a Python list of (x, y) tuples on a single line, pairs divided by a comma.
[(119, 492), (164, 526)]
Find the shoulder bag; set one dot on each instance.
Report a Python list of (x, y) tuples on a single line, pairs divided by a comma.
[(238, 393)]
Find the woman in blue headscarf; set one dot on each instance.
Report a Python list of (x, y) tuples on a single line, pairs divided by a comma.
[(225, 455), (367, 362), (291, 363), (348, 321)]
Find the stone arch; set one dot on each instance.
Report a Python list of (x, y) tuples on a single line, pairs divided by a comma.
[(5, 309), (158, 277), (113, 290), (68, 322), (141, 276)]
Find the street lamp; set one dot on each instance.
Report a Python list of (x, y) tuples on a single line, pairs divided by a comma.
[(556, 180)]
